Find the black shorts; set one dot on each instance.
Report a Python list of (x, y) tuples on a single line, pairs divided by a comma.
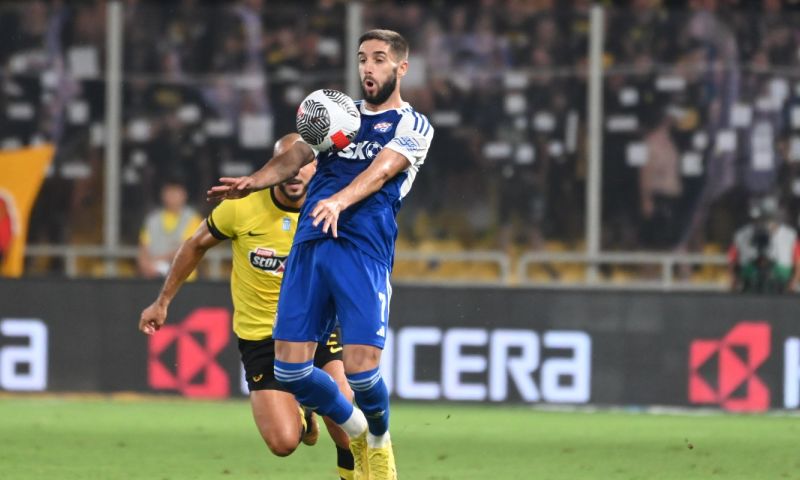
[(258, 358)]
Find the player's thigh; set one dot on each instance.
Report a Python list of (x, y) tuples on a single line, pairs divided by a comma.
[(275, 410), (305, 301), (362, 294)]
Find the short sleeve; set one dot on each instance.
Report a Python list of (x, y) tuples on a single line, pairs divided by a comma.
[(222, 220), (413, 137)]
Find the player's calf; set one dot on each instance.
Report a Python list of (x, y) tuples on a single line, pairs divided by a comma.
[(315, 389), (372, 397)]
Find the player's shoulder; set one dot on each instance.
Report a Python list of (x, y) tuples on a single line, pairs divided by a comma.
[(412, 120), (241, 207)]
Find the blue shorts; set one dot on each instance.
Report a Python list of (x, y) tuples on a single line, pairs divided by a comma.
[(331, 280)]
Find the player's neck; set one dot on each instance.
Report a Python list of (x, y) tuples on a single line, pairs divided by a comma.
[(286, 201), (394, 101)]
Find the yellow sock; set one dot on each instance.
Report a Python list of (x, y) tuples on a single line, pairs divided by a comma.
[(345, 474)]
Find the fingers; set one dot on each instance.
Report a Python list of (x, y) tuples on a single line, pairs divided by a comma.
[(146, 326), (244, 183), (314, 213), (327, 214), (330, 224), (149, 327), (232, 187), (328, 219), (219, 192), (151, 319), (320, 214)]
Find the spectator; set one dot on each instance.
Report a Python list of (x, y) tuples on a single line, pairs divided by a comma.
[(660, 187), (165, 229), (765, 252)]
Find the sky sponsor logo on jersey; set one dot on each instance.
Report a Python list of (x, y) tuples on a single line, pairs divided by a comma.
[(382, 127), (265, 259), (361, 151)]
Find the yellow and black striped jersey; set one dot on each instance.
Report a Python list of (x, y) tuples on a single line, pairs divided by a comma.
[(261, 232)]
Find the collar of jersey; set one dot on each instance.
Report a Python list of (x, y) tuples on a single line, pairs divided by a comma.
[(364, 110), (278, 204)]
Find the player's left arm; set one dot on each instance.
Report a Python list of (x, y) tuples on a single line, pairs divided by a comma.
[(279, 168), (189, 254)]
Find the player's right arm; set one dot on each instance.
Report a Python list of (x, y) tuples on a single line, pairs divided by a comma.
[(185, 261), (278, 169)]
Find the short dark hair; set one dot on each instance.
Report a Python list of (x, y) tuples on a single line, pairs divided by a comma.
[(173, 178), (397, 44)]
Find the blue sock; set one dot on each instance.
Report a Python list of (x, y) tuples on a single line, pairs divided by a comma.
[(372, 398), (314, 389)]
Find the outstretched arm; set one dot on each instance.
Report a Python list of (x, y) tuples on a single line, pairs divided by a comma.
[(386, 166), (278, 169), (186, 259)]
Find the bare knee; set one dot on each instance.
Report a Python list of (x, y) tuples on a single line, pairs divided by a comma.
[(294, 352), (360, 358), (281, 445), (277, 419)]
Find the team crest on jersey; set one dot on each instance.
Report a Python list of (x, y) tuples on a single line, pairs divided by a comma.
[(361, 151), (265, 259), (287, 224), (382, 127)]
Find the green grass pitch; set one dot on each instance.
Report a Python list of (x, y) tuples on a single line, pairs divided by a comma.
[(52, 438)]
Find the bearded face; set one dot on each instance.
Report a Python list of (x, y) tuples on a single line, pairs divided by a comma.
[(379, 93)]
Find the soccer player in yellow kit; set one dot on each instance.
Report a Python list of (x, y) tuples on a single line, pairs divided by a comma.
[(261, 228)]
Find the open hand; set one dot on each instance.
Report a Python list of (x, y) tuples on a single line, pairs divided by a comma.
[(327, 212), (232, 187)]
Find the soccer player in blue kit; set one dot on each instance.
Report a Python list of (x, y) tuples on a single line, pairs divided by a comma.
[(343, 251)]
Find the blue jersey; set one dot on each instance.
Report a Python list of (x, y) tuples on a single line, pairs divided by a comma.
[(370, 224)]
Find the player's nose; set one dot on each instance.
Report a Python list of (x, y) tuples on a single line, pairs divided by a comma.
[(368, 67)]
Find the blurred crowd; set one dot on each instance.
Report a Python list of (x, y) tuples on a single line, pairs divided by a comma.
[(701, 110)]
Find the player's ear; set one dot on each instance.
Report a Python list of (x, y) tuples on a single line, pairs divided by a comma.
[(402, 69)]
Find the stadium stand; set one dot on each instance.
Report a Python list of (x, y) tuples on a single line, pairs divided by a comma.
[(503, 81)]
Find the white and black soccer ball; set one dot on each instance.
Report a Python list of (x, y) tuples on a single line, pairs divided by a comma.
[(328, 119)]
